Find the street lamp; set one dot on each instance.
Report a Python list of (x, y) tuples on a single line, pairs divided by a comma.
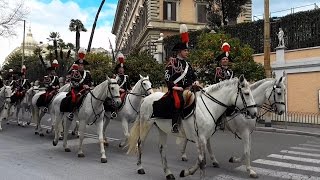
[(267, 39), (24, 33)]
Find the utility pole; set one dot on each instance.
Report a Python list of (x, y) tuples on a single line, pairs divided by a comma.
[(24, 33), (267, 39)]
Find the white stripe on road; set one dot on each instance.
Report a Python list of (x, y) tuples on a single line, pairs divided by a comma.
[(287, 165), (278, 174), (300, 153), (308, 160), (305, 149), (314, 142), (226, 177), (311, 145)]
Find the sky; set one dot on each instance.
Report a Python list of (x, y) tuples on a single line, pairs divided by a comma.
[(47, 16)]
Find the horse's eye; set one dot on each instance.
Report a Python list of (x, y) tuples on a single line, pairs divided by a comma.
[(279, 93), (112, 88), (144, 83), (247, 94)]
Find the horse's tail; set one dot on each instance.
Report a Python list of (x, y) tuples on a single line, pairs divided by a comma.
[(138, 132)]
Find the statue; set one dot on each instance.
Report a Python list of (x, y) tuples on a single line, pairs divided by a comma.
[(281, 38)]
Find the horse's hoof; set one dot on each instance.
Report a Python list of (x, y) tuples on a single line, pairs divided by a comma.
[(41, 134), (7, 123), (184, 159), (231, 160), (254, 175), (73, 133), (36, 133), (104, 160), (215, 165), (170, 177), (60, 138), (47, 131), (182, 174), (28, 123), (81, 155), (106, 144), (121, 144), (19, 124), (67, 150), (54, 143), (141, 171)]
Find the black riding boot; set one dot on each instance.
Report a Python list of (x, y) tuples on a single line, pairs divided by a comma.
[(176, 121), (220, 123)]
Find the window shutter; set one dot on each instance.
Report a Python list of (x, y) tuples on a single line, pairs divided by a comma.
[(165, 13), (173, 11)]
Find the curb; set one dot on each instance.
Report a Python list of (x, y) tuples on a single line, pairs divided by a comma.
[(287, 131)]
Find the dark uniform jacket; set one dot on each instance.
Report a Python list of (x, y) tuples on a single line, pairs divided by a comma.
[(84, 79), (123, 81), (53, 83), (174, 69), (222, 74)]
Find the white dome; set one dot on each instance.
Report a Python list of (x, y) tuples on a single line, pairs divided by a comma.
[(29, 41)]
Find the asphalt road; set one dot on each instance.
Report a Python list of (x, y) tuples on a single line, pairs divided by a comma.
[(24, 155)]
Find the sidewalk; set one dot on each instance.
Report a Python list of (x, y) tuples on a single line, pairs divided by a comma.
[(298, 130)]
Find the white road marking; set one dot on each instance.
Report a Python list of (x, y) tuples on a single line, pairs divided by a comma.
[(287, 165), (226, 177), (278, 174), (284, 157), (300, 153), (305, 149), (311, 145)]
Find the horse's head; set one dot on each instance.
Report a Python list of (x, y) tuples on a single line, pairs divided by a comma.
[(277, 96), (145, 85), (7, 93), (243, 98), (113, 91)]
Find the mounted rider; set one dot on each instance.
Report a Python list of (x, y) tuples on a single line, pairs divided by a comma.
[(121, 77), (179, 76), (20, 87), (50, 82), (81, 81), (223, 72)]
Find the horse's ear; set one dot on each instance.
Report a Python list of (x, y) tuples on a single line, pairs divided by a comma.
[(141, 77), (241, 79), (108, 79), (280, 79), (147, 77)]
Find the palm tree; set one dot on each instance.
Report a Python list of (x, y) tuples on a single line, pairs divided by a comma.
[(77, 26), (54, 36), (94, 26)]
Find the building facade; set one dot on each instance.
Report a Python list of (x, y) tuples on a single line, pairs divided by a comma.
[(138, 23)]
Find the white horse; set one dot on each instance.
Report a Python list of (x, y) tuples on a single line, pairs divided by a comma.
[(268, 90), (5, 95), (90, 112), (25, 105), (131, 107), (211, 103)]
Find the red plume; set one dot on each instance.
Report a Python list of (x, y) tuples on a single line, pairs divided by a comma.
[(55, 63), (184, 33), (23, 69), (75, 67), (225, 48), (121, 58)]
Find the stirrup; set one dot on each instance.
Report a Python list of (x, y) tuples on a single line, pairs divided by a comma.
[(70, 116), (45, 110), (114, 115), (175, 128)]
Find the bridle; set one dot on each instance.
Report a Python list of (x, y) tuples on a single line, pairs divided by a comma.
[(139, 95), (234, 107), (97, 115)]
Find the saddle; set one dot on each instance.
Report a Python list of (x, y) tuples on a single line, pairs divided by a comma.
[(72, 101), (164, 107), (46, 98), (17, 96)]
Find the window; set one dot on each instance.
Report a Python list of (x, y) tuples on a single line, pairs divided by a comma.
[(201, 13), (169, 11)]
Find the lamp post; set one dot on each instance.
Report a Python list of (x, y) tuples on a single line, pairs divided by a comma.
[(267, 39), (24, 33)]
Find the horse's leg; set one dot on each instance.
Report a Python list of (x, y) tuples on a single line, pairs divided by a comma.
[(201, 161), (17, 114), (162, 149), (82, 129), (125, 128), (35, 117), (183, 150), (22, 115), (67, 124), (105, 125), (40, 128), (215, 163), (57, 119), (101, 141)]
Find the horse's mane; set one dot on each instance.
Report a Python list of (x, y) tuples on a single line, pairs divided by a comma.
[(258, 83), (229, 82)]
